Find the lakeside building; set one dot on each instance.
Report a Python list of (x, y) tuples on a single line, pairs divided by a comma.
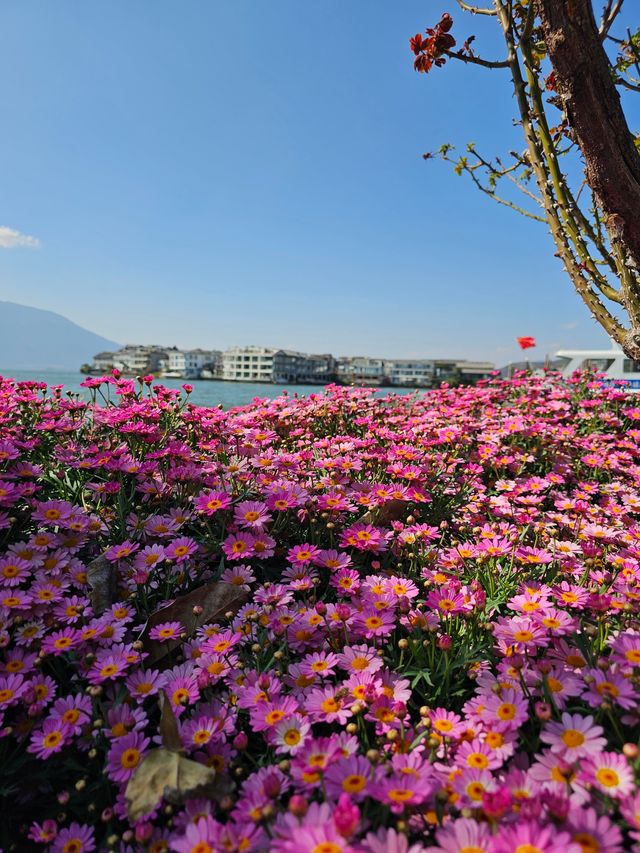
[(131, 359), (354, 369), (408, 372), (281, 366), (189, 364), (265, 364)]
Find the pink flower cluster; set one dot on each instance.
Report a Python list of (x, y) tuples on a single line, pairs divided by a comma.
[(438, 649)]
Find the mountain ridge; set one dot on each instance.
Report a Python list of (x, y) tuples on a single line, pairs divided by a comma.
[(38, 339)]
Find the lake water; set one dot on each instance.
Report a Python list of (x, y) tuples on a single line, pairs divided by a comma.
[(205, 392)]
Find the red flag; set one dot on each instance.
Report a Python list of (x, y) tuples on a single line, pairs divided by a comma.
[(526, 342)]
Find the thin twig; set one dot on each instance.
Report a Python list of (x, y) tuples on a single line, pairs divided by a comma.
[(475, 10), (608, 17), (475, 60)]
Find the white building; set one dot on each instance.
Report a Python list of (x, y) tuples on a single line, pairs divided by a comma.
[(134, 360), (188, 364), (247, 364), (266, 364), (351, 369), (408, 372)]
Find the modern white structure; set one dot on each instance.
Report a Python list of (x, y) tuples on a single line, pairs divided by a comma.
[(612, 363), (188, 364), (407, 372), (265, 364), (353, 369)]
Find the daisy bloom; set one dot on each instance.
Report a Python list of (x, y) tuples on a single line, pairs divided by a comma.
[(166, 631), (574, 737), (125, 755), (529, 837), (610, 773), (77, 838)]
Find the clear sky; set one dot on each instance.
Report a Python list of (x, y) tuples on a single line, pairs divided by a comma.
[(218, 172)]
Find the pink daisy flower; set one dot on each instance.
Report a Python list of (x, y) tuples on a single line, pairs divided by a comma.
[(77, 838), (463, 834), (327, 706), (181, 549), (594, 832), (302, 555), (165, 631), (238, 546), (251, 514), (53, 735), (125, 755), (144, 683), (359, 658), (401, 791), (530, 837), (574, 737), (350, 775), (212, 502), (290, 734), (610, 773)]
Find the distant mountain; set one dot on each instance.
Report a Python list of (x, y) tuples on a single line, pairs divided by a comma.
[(32, 339)]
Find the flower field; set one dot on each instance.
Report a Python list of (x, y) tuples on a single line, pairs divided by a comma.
[(333, 624)]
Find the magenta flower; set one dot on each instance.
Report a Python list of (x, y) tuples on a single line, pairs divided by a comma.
[(212, 502), (125, 755), (533, 836), (181, 549), (122, 551), (165, 631), (573, 738), (77, 838), (50, 739)]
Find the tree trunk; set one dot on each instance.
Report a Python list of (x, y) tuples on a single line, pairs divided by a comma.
[(585, 83)]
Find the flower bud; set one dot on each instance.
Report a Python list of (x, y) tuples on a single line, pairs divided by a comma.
[(346, 816), (241, 741), (298, 805)]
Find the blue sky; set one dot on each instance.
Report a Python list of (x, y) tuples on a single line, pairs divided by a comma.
[(217, 172)]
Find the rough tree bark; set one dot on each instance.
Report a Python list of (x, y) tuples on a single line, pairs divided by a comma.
[(585, 83)]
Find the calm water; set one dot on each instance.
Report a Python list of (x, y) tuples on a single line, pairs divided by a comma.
[(205, 392)]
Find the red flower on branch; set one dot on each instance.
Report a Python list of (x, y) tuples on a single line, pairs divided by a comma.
[(526, 342), (430, 51)]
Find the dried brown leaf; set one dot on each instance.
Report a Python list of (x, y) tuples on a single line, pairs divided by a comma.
[(212, 601), (169, 731), (163, 774), (390, 511), (101, 577)]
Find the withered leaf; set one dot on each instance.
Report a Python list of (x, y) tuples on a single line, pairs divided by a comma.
[(169, 725), (213, 600), (101, 577), (164, 774), (390, 511)]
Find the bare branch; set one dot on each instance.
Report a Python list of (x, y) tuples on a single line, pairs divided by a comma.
[(609, 15), (475, 10), (475, 60)]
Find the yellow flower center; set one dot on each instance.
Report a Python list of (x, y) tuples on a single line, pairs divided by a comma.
[(608, 777), (506, 711), (400, 795), (130, 758), (354, 783), (572, 738)]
